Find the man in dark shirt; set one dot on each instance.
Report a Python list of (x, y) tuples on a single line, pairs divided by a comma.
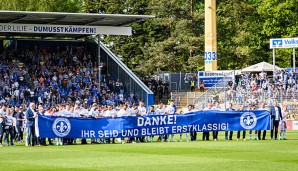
[(19, 115)]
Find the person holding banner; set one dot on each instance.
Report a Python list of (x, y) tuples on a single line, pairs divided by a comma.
[(276, 116), (151, 112), (171, 111), (141, 108), (253, 107), (134, 112), (215, 133), (189, 109), (110, 113), (230, 108), (206, 134), (161, 111), (241, 108), (93, 113), (143, 112), (262, 107)]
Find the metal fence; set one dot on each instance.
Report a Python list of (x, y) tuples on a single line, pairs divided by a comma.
[(177, 81), (215, 92)]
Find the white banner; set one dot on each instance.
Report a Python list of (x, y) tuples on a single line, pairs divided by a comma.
[(284, 43), (295, 125), (64, 29)]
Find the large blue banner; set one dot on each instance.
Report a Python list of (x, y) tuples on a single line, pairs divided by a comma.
[(201, 121)]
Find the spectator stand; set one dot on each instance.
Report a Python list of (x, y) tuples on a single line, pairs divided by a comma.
[(56, 26)]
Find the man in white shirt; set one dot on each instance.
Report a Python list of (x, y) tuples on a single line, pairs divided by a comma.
[(160, 110), (16, 93), (77, 110), (193, 134), (110, 113), (206, 134), (262, 107), (215, 133), (93, 113), (123, 111), (142, 109), (67, 112), (170, 111)]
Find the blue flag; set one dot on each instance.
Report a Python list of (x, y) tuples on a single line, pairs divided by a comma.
[(200, 121)]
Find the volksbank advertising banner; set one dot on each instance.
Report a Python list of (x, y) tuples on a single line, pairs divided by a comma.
[(284, 43), (64, 29), (200, 121)]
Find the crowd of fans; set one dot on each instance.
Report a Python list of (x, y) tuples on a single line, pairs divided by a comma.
[(159, 87), (254, 88), (56, 75)]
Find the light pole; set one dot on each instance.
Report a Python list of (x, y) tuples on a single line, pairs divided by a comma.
[(99, 64)]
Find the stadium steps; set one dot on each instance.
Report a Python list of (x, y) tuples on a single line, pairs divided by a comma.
[(188, 98)]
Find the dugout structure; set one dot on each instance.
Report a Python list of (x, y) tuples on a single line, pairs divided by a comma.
[(72, 27)]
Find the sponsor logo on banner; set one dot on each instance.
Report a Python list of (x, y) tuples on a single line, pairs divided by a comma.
[(61, 127), (248, 120)]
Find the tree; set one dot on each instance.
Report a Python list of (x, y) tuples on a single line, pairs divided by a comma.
[(279, 21), (42, 5)]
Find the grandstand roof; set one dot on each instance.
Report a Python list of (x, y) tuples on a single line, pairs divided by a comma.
[(67, 19)]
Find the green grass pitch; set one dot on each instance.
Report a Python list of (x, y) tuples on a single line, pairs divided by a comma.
[(199, 155)]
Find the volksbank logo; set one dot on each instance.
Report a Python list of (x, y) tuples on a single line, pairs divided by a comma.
[(277, 43)]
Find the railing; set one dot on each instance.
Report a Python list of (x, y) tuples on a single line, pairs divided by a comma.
[(118, 70), (219, 87)]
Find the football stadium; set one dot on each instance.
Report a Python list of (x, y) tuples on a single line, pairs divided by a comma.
[(148, 85)]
